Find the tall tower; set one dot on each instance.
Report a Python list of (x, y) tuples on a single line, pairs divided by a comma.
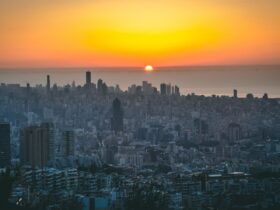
[(48, 83), (99, 85), (48, 134), (68, 143), (104, 89), (88, 78), (34, 148), (234, 132), (234, 93), (117, 119), (5, 148), (163, 89), (176, 90), (37, 148), (168, 89)]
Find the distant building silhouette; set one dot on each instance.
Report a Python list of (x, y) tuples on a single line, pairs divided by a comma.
[(163, 89), (168, 89), (176, 90), (117, 89), (250, 96), (48, 83), (200, 126), (99, 85), (147, 88), (68, 143), (37, 145), (49, 132), (138, 90), (117, 119), (88, 78), (104, 89), (235, 93), (234, 132), (5, 148), (28, 88)]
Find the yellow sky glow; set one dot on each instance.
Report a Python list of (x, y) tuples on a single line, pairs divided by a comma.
[(136, 33)]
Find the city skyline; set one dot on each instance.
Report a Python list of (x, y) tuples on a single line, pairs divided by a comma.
[(89, 146), (139, 105), (199, 80)]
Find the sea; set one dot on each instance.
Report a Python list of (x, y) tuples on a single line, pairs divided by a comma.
[(200, 80)]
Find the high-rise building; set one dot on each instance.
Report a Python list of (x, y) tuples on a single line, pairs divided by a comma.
[(201, 127), (5, 148), (104, 89), (34, 148), (163, 89), (27, 88), (168, 89), (147, 88), (99, 85), (265, 96), (117, 119), (235, 93), (49, 134), (48, 83), (88, 78), (234, 132), (176, 90), (68, 143), (37, 145), (250, 96), (138, 90), (118, 89)]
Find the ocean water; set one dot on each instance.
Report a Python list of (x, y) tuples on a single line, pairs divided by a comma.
[(219, 80)]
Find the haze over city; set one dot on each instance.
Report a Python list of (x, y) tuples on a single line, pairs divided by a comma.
[(139, 105)]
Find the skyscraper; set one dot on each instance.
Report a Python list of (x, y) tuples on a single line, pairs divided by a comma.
[(163, 89), (104, 89), (99, 85), (176, 90), (147, 88), (48, 83), (234, 93), (68, 143), (168, 89), (234, 132), (48, 129), (88, 78), (37, 145), (5, 148), (33, 147), (27, 88), (265, 96), (117, 119)]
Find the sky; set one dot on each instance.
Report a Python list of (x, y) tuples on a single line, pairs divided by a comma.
[(88, 33)]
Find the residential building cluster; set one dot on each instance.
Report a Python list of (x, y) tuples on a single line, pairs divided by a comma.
[(99, 147)]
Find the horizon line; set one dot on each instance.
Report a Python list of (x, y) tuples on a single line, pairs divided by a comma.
[(135, 67)]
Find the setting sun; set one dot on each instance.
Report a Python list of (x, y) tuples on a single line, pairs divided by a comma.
[(171, 33), (149, 68)]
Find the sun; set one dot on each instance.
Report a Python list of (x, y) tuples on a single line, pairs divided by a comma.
[(149, 68)]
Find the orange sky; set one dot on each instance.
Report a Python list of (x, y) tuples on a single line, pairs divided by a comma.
[(70, 33)]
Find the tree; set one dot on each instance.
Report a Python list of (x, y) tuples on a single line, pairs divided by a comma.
[(148, 197), (5, 188)]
